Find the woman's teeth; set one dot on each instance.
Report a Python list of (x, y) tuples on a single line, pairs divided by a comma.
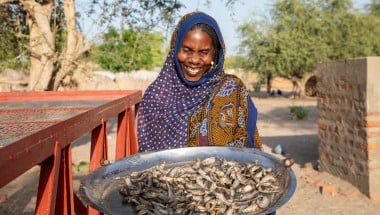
[(193, 70)]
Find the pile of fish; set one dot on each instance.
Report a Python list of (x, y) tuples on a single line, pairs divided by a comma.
[(205, 186)]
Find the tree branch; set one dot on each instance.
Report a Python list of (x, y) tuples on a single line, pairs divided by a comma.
[(8, 1)]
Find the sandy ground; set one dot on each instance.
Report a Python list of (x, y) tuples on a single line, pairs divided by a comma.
[(317, 192)]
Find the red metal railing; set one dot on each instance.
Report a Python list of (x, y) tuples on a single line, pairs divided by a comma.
[(29, 136)]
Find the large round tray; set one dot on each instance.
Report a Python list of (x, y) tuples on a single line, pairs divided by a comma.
[(100, 189)]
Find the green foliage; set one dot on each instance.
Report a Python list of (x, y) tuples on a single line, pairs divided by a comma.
[(116, 54), (13, 38), (142, 14), (128, 50), (374, 7), (59, 26), (132, 13), (158, 53), (234, 62), (257, 85), (348, 34), (298, 112), (299, 33), (10, 51)]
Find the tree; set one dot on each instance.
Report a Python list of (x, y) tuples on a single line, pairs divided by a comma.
[(13, 36), (49, 65), (286, 46), (258, 45), (128, 50), (347, 33), (301, 33), (374, 7), (234, 62)]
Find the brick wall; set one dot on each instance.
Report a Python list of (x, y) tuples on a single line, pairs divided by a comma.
[(349, 121)]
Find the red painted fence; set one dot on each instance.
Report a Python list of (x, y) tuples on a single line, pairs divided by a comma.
[(38, 128)]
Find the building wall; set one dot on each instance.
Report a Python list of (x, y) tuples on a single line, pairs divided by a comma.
[(348, 105)]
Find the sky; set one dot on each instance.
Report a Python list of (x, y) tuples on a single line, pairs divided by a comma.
[(242, 11), (228, 21)]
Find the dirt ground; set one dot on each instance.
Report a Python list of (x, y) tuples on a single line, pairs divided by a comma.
[(316, 193)]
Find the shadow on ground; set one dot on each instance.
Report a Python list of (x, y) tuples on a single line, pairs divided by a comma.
[(263, 94), (303, 148), (24, 196)]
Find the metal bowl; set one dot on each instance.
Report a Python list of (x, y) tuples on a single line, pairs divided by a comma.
[(100, 189)]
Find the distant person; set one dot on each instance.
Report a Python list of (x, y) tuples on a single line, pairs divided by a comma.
[(279, 92)]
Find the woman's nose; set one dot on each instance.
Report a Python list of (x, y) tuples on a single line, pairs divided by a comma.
[(194, 59)]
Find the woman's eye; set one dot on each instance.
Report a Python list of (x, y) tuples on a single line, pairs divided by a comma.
[(205, 53), (186, 50)]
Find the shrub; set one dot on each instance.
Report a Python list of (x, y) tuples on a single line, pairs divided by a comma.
[(298, 112), (257, 86)]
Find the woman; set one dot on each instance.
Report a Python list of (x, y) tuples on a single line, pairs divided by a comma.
[(193, 102)]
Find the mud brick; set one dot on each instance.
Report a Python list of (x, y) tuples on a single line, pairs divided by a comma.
[(311, 175), (349, 193), (328, 189), (318, 183), (3, 197), (308, 166)]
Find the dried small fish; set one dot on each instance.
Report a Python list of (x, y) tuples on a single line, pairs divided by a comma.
[(205, 186), (208, 161), (250, 209), (263, 201)]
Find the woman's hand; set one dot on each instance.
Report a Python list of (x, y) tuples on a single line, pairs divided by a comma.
[(288, 162)]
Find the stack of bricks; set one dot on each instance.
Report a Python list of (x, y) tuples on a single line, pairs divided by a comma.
[(349, 122)]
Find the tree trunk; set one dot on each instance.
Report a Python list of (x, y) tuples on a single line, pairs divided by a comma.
[(75, 45), (296, 91), (46, 73), (269, 83), (41, 44)]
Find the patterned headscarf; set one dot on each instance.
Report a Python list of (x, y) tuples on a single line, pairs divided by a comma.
[(170, 101)]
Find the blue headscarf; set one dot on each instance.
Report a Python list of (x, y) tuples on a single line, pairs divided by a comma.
[(187, 22)]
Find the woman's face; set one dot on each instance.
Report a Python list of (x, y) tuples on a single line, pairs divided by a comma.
[(195, 54)]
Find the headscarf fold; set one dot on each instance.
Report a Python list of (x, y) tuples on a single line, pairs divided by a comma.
[(171, 103)]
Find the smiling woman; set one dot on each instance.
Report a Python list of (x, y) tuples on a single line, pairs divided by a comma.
[(193, 102)]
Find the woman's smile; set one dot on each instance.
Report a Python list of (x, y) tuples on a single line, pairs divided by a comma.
[(190, 70)]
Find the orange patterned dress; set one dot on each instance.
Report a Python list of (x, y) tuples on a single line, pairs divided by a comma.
[(223, 120)]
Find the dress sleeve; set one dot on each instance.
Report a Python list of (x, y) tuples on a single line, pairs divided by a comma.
[(251, 124)]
